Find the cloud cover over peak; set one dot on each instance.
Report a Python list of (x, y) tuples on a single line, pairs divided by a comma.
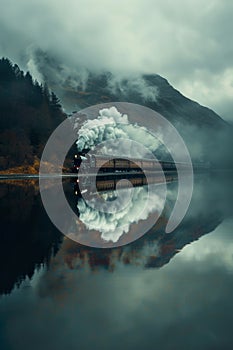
[(188, 42)]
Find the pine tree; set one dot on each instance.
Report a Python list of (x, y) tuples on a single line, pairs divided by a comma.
[(55, 103), (29, 113)]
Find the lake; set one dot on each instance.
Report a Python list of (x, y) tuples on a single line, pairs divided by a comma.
[(171, 291)]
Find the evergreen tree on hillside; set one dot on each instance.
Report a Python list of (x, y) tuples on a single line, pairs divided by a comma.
[(29, 113)]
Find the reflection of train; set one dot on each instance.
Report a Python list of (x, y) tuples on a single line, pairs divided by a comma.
[(111, 164), (105, 182)]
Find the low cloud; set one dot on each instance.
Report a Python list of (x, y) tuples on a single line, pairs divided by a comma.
[(188, 42)]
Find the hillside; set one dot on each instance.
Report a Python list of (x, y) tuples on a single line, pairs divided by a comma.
[(29, 112), (207, 136)]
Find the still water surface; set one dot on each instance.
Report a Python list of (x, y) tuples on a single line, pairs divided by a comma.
[(172, 291)]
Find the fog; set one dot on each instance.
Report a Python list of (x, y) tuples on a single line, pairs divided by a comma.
[(188, 42)]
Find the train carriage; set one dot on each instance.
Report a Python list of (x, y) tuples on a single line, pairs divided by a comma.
[(111, 164)]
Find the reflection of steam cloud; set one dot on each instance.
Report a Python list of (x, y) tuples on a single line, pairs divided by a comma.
[(113, 225), (112, 125)]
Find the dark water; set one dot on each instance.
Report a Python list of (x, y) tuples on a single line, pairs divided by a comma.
[(167, 291)]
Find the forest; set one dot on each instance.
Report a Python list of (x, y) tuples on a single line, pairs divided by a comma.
[(29, 112)]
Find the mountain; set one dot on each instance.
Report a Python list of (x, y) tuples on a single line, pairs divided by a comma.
[(207, 136), (152, 91), (29, 111)]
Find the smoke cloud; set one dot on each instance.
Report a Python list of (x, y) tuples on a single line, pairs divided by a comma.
[(113, 126)]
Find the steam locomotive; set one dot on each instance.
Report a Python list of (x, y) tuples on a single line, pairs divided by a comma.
[(111, 164), (110, 170)]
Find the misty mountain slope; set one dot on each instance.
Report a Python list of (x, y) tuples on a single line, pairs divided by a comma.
[(172, 104), (150, 90), (29, 112), (207, 135), (84, 88)]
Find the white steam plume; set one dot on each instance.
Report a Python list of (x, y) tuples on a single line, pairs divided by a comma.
[(113, 126)]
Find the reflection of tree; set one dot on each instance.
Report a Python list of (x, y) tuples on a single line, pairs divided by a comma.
[(28, 239), (154, 250)]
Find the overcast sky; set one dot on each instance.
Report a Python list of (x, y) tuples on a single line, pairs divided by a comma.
[(189, 42)]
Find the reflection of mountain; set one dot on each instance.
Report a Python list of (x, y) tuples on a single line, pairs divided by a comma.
[(156, 248), (153, 250), (28, 239)]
